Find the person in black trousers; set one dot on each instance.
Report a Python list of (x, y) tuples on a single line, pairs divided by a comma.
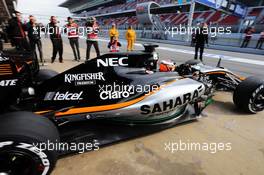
[(248, 35), (34, 32), (16, 33), (200, 40), (260, 41), (73, 35), (55, 36), (92, 37)]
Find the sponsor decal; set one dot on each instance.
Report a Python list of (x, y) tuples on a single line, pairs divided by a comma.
[(6, 83), (112, 62), (3, 144), (118, 91), (170, 104), (3, 58), (84, 78), (63, 96)]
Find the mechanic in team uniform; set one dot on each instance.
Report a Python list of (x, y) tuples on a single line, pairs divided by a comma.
[(73, 36), (131, 38), (34, 31), (114, 45), (92, 37), (16, 32), (113, 32), (55, 36), (201, 39)]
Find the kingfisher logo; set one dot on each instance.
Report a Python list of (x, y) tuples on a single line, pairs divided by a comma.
[(112, 62), (84, 79)]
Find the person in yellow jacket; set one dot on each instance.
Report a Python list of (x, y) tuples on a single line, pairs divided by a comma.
[(113, 32), (131, 38)]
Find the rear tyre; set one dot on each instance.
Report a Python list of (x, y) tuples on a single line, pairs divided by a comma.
[(24, 137), (45, 74), (249, 95)]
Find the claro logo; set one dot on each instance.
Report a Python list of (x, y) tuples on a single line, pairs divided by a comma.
[(112, 62)]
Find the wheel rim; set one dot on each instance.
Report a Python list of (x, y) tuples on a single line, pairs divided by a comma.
[(19, 163), (258, 102)]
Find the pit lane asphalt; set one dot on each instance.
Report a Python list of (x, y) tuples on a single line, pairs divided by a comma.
[(148, 155)]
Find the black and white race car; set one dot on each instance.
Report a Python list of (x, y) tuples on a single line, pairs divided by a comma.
[(114, 97)]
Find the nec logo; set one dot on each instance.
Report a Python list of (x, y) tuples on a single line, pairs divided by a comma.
[(112, 62)]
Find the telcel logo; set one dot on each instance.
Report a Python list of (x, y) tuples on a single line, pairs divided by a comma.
[(112, 62), (67, 96)]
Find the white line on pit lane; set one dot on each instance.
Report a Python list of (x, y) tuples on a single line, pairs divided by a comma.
[(216, 56)]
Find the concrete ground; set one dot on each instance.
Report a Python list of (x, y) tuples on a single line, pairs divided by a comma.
[(149, 155)]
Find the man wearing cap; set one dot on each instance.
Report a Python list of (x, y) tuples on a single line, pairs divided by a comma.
[(73, 36), (16, 33)]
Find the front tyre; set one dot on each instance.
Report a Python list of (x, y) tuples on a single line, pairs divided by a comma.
[(22, 139), (249, 95)]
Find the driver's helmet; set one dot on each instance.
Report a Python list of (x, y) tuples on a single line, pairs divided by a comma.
[(167, 66)]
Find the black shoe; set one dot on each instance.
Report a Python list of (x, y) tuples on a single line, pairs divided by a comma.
[(52, 60)]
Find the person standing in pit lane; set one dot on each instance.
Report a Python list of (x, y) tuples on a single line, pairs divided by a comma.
[(260, 41), (16, 33), (56, 39), (248, 36), (200, 40), (34, 32), (131, 38), (92, 37), (73, 36)]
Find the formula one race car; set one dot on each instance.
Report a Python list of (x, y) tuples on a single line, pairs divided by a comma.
[(113, 97)]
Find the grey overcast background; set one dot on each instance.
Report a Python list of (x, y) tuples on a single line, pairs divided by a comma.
[(43, 9)]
